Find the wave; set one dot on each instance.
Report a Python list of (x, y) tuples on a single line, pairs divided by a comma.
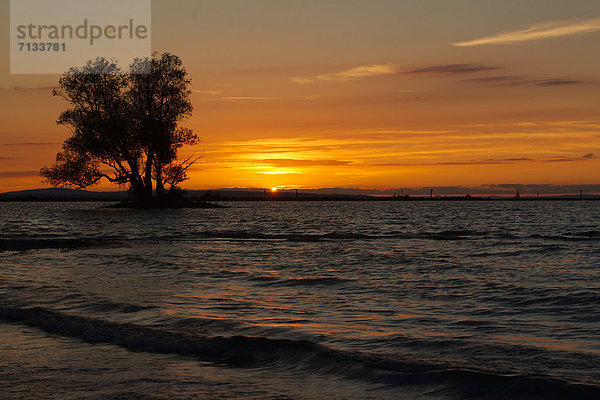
[(304, 355), (323, 281), (75, 243), (332, 236), (457, 234), (109, 306), (589, 234), (532, 249), (39, 243), (570, 299), (450, 235), (577, 237), (292, 237)]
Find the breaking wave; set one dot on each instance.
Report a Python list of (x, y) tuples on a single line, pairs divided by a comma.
[(301, 354)]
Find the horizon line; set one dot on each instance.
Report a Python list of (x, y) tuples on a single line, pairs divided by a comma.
[(456, 190)]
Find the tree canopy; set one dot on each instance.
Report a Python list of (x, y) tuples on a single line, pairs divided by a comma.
[(126, 127)]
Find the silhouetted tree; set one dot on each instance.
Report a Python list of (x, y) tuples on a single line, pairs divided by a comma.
[(125, 127)]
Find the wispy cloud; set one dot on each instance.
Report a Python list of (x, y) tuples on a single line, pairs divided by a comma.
[(544, 30), (285, 162), (488, 161), (207, 92), (585, 157), (30, 89), (375, 70), (548, 125), (453, 69), (494, 79), (19, 174), (451, 163), (515, 80), (365, 71), (557, 82), (219, 95), (253, 98), (31, 144)]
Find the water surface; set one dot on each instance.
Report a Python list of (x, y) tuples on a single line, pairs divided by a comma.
[(302, 300)]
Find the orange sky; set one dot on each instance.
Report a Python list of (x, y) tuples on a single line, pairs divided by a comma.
[(373, 94)]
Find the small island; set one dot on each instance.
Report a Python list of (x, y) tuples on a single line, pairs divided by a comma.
[(126, 129)]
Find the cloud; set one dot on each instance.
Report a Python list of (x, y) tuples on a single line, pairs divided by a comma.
[(269, 70), (19, 174), (489, 161), (494, 79), (218, 95), (515, 80), (303, 80), (30, 89), (453, 69), (450, 163), (544, 30), (284, 162), (410, 91), (557, 82), (30, 144), (585, 157), (366, 71), (375, 70), (250, 98), (207, 92)]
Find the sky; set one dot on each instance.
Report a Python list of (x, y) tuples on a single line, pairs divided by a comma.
[(378, 94)]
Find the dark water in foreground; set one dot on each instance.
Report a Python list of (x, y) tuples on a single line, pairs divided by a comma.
[(301, 300)]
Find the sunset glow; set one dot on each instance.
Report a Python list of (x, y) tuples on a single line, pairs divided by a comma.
[(398, 103)]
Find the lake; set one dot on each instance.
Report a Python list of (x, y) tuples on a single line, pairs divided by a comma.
[(301, 300)]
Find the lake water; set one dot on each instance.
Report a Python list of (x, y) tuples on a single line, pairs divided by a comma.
[(301, 300)]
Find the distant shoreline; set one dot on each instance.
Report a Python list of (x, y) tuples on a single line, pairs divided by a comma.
[(218, 195), (339, 198)]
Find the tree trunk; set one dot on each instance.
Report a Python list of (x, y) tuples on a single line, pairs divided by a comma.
[(141, 196), (160, 188), (148, 178)]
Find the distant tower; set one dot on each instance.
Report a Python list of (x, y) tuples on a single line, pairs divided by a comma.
[(518, 195), (431, 193)]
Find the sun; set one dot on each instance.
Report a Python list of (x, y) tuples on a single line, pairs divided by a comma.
[(274, 189)]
